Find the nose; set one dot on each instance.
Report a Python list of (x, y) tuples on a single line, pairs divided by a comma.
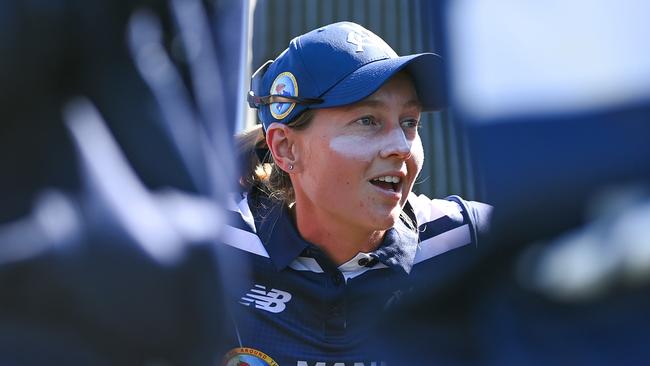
[(396, 145)]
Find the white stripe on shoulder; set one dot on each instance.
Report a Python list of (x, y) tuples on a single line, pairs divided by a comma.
[(244, 240), (306, 264), (242, 208), (427, 209), (442, 243)]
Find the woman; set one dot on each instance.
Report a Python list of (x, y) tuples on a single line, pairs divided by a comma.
[(328, 223)]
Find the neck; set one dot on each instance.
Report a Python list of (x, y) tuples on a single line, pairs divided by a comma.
[(338, 239)]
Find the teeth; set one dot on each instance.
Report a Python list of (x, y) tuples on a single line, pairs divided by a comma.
[(388, 179)]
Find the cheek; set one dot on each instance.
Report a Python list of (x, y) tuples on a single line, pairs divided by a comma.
[(352, 147), (329, 170), (417, 153)]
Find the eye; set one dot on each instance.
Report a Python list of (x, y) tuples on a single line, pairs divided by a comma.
[(410, 124), (367, 121)]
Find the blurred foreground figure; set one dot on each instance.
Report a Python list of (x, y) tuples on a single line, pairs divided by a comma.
[(110, 141), (555, 100)]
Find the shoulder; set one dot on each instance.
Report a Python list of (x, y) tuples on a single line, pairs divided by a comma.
[(239, 210), (428, 210), (437, 216), (240, 230), (478, 214)]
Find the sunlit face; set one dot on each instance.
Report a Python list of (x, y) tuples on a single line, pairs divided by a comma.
[(359, 162)]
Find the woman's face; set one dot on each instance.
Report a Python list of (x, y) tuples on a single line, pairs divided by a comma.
[(358, 163)]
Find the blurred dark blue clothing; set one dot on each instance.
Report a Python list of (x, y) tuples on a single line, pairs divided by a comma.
[(83, 272), (544, 173)]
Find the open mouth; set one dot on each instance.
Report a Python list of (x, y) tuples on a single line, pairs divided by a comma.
[(389, 183)]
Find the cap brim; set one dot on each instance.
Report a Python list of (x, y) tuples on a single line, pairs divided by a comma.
[(425, 69)]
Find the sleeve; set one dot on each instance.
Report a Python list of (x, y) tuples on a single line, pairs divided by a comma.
[(435, 216), (476, 214)]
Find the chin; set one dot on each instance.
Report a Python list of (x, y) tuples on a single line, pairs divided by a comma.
[(385, 222)]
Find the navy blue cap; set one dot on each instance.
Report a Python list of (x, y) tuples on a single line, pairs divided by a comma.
[(336, 65)]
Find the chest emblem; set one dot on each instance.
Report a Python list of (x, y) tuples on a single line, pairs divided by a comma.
[(244, 356), (273, 301)]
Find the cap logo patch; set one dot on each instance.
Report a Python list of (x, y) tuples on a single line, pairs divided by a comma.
[(284, 84), (361, 37), (357, 40)]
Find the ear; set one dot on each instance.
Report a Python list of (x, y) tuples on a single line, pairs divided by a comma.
[(280, 140)]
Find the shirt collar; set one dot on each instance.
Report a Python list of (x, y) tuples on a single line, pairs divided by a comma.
[(278, 234), (284, 244), (398, 248)]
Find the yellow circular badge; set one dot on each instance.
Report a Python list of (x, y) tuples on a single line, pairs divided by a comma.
[(285, 84), (244, 356)]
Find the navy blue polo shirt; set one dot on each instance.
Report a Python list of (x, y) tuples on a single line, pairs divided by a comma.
[(291, 305)]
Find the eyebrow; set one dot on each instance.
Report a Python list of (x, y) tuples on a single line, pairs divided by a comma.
[(377, 103)]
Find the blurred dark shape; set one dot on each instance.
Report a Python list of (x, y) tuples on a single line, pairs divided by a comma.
[(609, 253), (115, 160), (578, 299), (542, 172), (564, 276)]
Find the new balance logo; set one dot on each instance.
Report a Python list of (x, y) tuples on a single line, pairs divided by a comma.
[(273, 301)]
